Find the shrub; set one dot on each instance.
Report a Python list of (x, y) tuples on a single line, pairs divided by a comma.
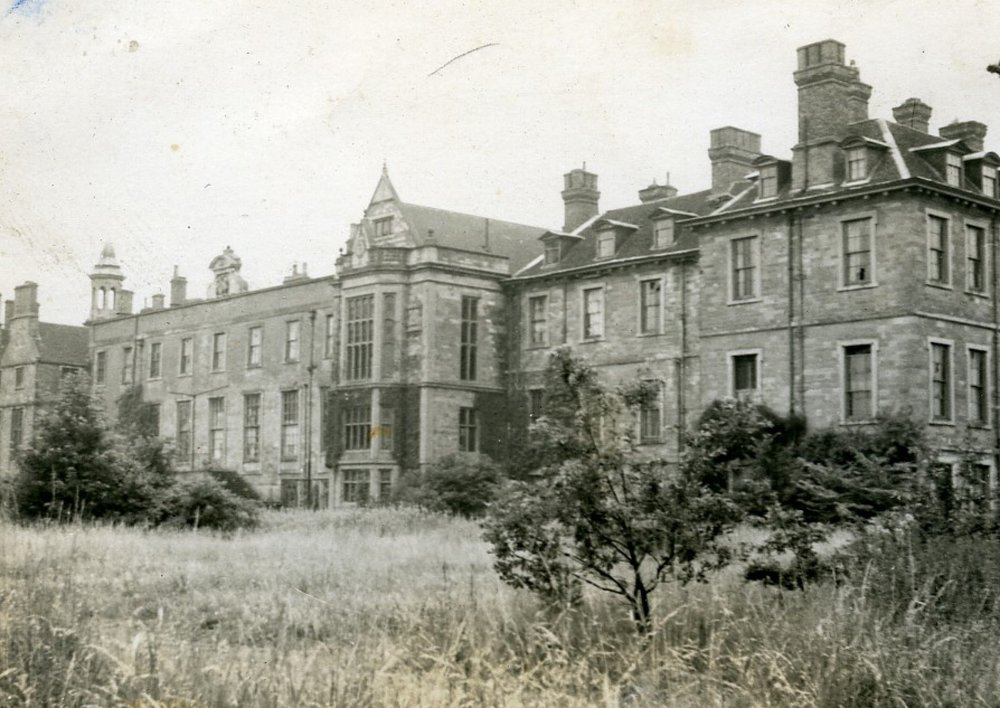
[(455, 485), (76, 467), (235, 483), (205, 502)]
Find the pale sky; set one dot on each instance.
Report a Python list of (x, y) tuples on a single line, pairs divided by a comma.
[(173, 129)]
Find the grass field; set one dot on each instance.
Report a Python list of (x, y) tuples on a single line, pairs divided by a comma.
[(389, 607)]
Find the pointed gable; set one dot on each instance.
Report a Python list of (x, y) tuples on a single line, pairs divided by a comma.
[(384, 191)]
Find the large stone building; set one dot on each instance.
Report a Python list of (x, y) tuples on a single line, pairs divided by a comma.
[(857, 277), (34, 356), (326, 389)]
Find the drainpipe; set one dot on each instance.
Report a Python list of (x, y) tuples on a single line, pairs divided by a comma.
[(801, 277), (682, 364), (309, 407), (996, 345), (791, 312)]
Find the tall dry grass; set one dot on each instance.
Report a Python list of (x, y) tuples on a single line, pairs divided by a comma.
[(400, 608)]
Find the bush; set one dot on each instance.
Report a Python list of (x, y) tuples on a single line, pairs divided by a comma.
[(235, 483), (78, 467), (455, 485), (205, 502)]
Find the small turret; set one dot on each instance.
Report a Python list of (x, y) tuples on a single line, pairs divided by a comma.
[(106, 286)]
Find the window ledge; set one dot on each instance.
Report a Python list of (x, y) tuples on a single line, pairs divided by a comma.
[(184, 375), (945, 423), (534, 347), (650, 334), (939, 286), (591, 340), (859, 286), (978, 293), (747, 301), (866, 421)]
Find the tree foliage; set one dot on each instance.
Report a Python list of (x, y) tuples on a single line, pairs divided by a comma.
[(78, 466), (456, 484), (594, 512)]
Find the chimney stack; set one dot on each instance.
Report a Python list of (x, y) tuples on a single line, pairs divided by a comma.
[(8, 312), (26, 300), (124, 302), (178, 289), (732, 152), (971, 132), (158, 301), (580, 197), (655, 192), (913, 113), (831, 97)]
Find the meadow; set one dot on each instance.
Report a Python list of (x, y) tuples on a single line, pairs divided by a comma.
[(398, 607)]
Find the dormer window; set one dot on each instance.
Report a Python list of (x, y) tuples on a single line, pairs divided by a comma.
[(551, 252), (663, 233), (383, 226), (857, 164), (953, 169), (768, 181), (606, 244), (990, 181)]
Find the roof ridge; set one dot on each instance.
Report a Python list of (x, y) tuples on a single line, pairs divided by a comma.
[(473, 216)]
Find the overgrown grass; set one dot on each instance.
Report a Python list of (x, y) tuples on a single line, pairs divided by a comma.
[(401, 608)]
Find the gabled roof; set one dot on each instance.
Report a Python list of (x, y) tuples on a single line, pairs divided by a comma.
[(63, 344), (637, 243), (518, 242)]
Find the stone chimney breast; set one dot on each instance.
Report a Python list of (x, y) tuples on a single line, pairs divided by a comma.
[(26, 300), (732, 152), (580, 197), (913, 113), (971, 132), (178, 289), (655, 192)]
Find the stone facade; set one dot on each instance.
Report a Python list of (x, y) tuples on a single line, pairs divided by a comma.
[(855, 278), (34, 356)]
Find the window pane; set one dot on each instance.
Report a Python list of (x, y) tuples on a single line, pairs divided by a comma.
[(593, 313), (857, 252), (858, 382), (649, 306), (360, 337)]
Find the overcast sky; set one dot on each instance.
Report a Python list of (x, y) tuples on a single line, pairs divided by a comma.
[(173, 129)]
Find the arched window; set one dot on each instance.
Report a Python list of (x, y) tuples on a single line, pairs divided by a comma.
[(111, 299), (100, 298)]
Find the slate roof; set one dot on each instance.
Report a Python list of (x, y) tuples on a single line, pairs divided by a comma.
[(633, 244), (63, 344), (901, 152), (518, 242)]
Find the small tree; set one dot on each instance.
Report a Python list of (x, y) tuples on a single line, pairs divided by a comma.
[(593, 512), (77, 467)]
